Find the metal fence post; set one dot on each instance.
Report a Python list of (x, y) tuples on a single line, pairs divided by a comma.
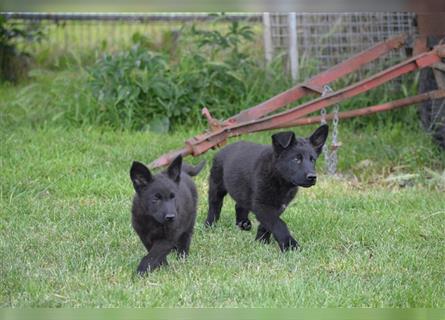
[(293, 50), (267, 37)]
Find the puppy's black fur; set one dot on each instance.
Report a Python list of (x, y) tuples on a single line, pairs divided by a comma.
[(164, 210), (264, 179)]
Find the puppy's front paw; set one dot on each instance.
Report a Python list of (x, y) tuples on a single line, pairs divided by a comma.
[(145, 266), (143, 269), (289, 244), (244, 225)]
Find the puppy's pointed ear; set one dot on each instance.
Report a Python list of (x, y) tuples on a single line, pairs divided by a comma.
[(174, 169), (318, 138), (282, 140), (140, 175)]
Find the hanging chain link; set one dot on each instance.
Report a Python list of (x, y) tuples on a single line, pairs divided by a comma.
[(331, 157), (325, 149)]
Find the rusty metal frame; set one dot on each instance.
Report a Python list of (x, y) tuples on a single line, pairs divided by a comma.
[(316, 83), (431, 95), (255, 119)]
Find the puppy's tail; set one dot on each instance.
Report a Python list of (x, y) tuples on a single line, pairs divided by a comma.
[(193, 170)]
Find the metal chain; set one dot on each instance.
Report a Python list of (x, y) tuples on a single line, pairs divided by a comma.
[(331, 157), (325, 149), (332, 169)]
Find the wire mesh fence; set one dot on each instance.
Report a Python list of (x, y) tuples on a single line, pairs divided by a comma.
[(326, 39), (77, 32), (323, 39)]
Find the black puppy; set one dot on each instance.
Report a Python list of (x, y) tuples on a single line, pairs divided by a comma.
[(164, 210), (264, 179)]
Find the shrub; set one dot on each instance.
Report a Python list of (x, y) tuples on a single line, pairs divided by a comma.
[(152, 90)]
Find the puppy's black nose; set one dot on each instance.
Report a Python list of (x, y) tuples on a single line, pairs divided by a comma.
[(170, 217), (311, 177)]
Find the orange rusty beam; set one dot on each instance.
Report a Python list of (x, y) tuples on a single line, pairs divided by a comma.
[(316, 83), (201, 143), (204, 142), (431, 95)]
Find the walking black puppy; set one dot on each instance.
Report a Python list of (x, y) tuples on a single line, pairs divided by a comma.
[(264, 179), (164, 210)]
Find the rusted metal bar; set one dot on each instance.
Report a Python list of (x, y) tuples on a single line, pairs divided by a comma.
[(431, 95), (201, 143), (206, 141), (316, 83)]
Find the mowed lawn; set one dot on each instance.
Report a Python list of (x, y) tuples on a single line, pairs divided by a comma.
[(66, 238)]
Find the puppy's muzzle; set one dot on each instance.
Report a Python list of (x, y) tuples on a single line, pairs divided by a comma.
[(311, 178)]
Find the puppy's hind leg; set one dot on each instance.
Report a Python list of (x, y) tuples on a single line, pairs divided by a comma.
[(217, 192), (242, 220)]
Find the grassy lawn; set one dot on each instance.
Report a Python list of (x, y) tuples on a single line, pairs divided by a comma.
[(66, 238), (373, 236)]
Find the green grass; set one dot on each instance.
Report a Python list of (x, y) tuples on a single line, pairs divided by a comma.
[(66, 238), (374, 236)]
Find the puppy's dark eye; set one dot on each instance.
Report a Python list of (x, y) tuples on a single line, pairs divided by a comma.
[(157, 197), (298, 158), (172, 195), (312, 159)]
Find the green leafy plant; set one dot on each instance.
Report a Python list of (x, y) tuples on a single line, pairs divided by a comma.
[(144, 89), (132, 85)]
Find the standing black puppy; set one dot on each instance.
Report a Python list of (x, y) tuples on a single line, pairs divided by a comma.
[(164, 210), (264, 179)]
